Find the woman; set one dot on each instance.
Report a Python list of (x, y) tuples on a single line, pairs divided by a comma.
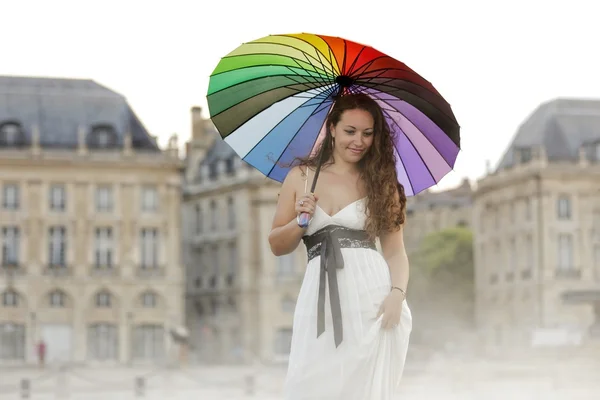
[(352, 322)]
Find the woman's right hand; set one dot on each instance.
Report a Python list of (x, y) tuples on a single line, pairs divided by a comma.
[(307, 204)]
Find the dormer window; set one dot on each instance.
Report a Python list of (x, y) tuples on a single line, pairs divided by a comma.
[(11, 134), (523, 155), (230, 166), (213, 172), (102, 136)]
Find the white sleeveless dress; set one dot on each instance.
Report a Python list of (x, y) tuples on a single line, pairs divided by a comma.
[(369, 362)]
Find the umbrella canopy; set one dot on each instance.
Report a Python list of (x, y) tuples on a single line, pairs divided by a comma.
[(269, 100)]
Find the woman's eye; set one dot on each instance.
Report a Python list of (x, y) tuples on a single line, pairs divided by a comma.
[(350, 132)]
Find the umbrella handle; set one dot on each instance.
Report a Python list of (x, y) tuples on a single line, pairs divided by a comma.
[(303, 220)]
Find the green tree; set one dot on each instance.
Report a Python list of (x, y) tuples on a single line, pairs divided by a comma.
[(442, 286)]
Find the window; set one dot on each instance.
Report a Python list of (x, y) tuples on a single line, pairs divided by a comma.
[(213, 215), (10, 134), (565, 252), (524, 155), (215, 267), (149, 199), (57, 198), (230, 213), (10, 197), (57, 246), (149, 342), (10, 245), (104, 247), (104, 199), (283, 341), (149, 248), (103, 299), (103, 342), (10, 298), (528, 209), (213, 171), (230, 166), (102, 136), (12, 341), (564, 207), (57, 299), (286, 265), (198, 219), (233, 261), (513, 254), (149, 300)]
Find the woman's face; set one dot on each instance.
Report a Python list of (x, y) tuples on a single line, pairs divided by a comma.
[(353, 135)]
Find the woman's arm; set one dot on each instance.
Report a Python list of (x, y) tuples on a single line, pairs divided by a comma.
[(285, 233), (394, 252), (395, 255)]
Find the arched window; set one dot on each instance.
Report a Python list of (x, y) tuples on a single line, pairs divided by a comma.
[(102, 136), (11, 134), (57, 299), (149, 299), (104, 299), (10, 298)]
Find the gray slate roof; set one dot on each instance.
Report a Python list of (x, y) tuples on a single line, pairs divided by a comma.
[(219, 150), (60, 106), (456, 197), (561, 126)]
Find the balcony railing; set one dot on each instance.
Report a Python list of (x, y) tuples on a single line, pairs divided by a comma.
[(148, 271), (58, 270), (12, 269), (104, 270)]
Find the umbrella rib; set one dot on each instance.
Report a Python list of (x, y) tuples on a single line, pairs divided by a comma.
[(411, 142), (378, 87), (297, 61), (383, 70), (310, 80), (295, 134), (278, 123), (317, 51), (371, 62), (297, 49), (351, 69), (310, 44), (409, 120)]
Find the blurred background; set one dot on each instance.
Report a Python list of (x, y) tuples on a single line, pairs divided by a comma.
[(134, 253)]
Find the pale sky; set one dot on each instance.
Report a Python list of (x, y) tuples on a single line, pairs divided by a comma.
[(493, 61)]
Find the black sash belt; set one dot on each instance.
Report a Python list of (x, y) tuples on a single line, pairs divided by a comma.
[(327, 243)]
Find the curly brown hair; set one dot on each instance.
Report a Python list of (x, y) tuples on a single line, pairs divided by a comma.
[(385, 212)]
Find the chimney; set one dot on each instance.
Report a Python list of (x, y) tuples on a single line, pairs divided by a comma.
[(488, 167), (81, 144), (198, 128), (35, 139)]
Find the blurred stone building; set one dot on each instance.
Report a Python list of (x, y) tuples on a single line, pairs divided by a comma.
[(537, 231), (430, 212), (89, 227), (239, 297)]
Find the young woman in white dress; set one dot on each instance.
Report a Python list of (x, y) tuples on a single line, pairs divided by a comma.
[(351, 323)]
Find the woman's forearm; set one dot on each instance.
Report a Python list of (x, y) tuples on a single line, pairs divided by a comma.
[(399, 270), (285, 239)]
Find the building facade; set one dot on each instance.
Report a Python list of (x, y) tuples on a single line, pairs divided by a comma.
[(431, 212), (536, 223), (89, 219), (239, 297)]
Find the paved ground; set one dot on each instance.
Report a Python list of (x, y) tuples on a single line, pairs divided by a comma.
[(444, 379)]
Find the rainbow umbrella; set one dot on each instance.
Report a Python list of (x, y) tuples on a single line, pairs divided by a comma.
[(269, 100)]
